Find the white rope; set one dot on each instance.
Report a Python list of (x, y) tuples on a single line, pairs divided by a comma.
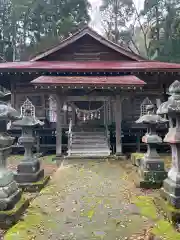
[(86, 111), (87, 114)]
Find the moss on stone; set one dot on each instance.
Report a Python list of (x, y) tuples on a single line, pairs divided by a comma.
[(10, 217), (170, 212), (27, 228), (146, 206), (36, 186), (16, 207), (135, 157), (162, 228), (165, 229)]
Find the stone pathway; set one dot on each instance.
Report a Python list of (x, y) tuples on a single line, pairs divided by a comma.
[(87, 200)]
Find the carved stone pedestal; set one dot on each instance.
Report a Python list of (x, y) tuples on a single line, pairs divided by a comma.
[(151, 169)]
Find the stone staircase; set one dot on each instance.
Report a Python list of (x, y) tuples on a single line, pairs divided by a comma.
[(88, 143)]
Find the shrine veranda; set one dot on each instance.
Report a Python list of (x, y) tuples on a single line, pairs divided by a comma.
[(88, 81)]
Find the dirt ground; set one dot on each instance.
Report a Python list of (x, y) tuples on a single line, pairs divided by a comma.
[(91, 200)]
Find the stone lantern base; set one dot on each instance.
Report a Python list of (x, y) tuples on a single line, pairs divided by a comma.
[(152, 171), (171, 192), (9, 192), (29, 172)]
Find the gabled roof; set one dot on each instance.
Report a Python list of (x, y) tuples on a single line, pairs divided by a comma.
[(96, 36)]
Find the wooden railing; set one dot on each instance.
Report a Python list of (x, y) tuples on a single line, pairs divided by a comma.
[(70, 137), (107, 135)]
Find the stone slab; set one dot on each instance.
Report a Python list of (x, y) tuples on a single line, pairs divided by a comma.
[(169, 212), (34, 187), (28, 167), (170, 198), (29, 177), (10, 217)]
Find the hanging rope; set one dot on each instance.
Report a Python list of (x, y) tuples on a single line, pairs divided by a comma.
[(85, 115)]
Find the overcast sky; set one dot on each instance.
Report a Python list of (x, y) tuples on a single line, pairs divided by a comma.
[(95, 23)]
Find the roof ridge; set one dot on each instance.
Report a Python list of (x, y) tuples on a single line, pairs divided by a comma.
[(88, 30)]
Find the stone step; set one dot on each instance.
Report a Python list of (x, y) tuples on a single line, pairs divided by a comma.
[(89, 140), (85, 145), (83, 134), (89, 154), (88, 137), (88, 130), (89, 149)]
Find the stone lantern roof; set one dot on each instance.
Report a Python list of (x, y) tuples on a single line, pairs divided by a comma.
[(28, 121), (7, 112), (151, 117), (173, 103)]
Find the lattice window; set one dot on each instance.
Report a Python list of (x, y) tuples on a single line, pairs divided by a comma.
[(27, 105), (144, 104), (52, 110)]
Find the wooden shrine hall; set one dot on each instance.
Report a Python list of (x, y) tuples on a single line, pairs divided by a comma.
[(89, 92)]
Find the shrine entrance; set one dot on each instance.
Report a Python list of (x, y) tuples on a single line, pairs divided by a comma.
[(88, 113)]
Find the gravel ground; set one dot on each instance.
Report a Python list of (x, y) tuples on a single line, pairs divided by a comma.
[(86, 200)]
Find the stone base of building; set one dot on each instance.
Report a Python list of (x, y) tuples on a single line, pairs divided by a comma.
[(22, 177), (36, 186), (171, 213), (171, 193), (10, 217)]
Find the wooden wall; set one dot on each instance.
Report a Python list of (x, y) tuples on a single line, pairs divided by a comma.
[(86, 49)]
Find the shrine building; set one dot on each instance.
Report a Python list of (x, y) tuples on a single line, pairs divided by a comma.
[(89, 91)]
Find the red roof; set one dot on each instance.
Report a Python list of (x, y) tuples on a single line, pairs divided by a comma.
[(89, 80), (89, 66)]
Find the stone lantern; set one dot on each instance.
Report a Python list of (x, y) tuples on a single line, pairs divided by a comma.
[(171, 185), (9, 192), (151, 168), (28, 171)]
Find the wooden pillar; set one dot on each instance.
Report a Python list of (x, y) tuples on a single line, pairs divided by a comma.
[(73, 116), (59, 105), (118, 120), (138, 142), (105, 113)]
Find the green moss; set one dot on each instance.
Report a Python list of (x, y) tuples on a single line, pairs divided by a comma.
[(135, 158), (16, 207), (42, 181), (49, 190), (137, 155), (146, 206), (34, 220), (162, 228), (165, 229)]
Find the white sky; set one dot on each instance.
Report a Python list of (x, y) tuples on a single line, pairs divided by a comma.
[(95, 23)]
